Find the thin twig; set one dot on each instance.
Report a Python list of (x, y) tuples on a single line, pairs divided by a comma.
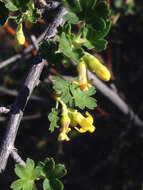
[(25, 118), (116, 100), (33, 38), (23, 97), (16, 157), (15, 93)]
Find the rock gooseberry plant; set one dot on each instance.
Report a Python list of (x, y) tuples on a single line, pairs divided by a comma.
[(93, 19)]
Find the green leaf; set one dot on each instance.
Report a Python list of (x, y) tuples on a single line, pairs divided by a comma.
[(102, 9), (94, 39), (9, 5), (22, 184), (49, 163), (83, 99), (17, 185), (28, 172), (30, 164), (59, 171), (98, 24), (18, 5), (48, 51), (88, 9), (51, 172), (95, 17), (27, 176), (71, 18), (93, 34), (100, 45), (4, 13), (53, 118), (56, 184), (88, 4), (53, 184), (20, 171), (66, 47), (46, 185), (73, 6), (36, 173), (28, 185), (47, 168), (34, 15), (62, 88)]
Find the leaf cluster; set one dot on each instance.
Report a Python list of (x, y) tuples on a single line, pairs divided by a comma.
[(47, 170), (54, 119), (52, 173), (66, 43), (25, 10), (94, 17), (95, 25), (48, 50), (73, 96)]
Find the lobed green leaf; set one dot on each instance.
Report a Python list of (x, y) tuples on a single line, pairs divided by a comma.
[(62, 88), (53, 118), (83, 99), (48, 51)]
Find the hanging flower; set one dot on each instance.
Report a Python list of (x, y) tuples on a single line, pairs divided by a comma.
[(85, 123), (74, 119), (65, 122), (83, 83), (64, 130)]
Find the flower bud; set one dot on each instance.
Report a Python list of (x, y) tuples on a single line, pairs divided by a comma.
[(83, 83), (19, 38), (96, 66)]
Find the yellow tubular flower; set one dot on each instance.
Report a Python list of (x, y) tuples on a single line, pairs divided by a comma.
[(86, 124), (83, 78), (96, 66), (65, 122), (64, 130)]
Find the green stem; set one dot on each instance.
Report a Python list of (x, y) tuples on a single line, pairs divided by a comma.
[(64, 106)]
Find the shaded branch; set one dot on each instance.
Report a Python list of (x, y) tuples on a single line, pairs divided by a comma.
[(14, 93), (25, 118), (24, 95), (116, 100)]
